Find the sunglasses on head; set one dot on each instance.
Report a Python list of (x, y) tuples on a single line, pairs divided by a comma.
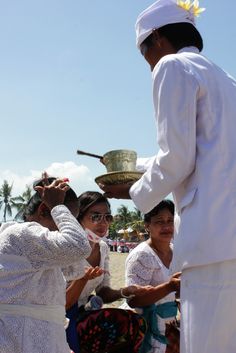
[(99, 217)]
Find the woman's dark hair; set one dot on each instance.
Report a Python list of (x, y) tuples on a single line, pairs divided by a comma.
[(179, 35), (163, 205), (36, 200), (88, 199)]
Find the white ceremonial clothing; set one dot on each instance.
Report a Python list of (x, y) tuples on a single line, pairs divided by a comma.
[(77, 271), (144, 267), (195, 113), (31, 258), (143, 164), (51, 313), (208, 301)]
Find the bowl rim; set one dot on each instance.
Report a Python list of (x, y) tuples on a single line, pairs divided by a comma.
[(119, 151)]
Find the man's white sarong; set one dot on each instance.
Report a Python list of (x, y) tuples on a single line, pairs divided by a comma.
[(208, 314)]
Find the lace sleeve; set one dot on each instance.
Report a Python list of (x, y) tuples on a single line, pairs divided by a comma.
[(140, 268), (44, 248)]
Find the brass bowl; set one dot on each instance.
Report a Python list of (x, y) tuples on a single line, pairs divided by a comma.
[(120, 160), (115, 178)]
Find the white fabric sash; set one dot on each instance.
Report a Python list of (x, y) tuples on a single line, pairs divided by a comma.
[(50, 313)]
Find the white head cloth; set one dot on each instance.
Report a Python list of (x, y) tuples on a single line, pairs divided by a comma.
[(159, 14)]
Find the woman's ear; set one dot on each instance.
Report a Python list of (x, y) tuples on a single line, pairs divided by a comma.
[(43, 211), (146, 226)]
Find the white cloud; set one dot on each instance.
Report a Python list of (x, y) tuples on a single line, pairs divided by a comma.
[(79, 175)]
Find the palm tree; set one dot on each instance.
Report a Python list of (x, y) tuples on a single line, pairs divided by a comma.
[(137, 215), (126, 219), (125, 215), (137, 223), (21, 201), (6, 201)]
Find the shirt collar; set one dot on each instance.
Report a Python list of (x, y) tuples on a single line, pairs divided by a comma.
[(183, 50), (189, 49)]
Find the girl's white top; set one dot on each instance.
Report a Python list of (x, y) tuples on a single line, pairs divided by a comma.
[(31, 258), (77, 271)]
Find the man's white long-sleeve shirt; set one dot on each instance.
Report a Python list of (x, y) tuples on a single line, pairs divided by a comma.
[(195, 113)]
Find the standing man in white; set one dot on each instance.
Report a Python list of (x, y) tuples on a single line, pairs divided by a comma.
[(195, 110)]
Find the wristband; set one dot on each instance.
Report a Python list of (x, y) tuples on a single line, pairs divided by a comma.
[(126, 296)]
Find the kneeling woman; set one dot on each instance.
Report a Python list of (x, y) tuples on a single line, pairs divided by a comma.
[(106, 329)]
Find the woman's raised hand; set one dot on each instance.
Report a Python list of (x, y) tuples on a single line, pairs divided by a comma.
[(53, 194), (92, 272)]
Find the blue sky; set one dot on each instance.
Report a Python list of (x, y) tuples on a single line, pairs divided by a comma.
[(72, 78)]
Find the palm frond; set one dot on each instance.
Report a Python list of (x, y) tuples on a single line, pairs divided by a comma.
[(19, 215), (18, 199)]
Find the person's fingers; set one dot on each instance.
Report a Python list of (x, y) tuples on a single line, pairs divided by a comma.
[(63, 185), (45, 178), (93, 272), (57, 182), (65, 188), (87, 273), (89, 270), (39, 189), (100, 272), (60, 184), (97, 272), (98, 269), (176, 275)]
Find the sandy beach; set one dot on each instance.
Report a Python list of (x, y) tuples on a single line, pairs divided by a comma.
[(117, 270)]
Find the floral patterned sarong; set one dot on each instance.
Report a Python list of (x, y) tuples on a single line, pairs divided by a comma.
[(110, 330)]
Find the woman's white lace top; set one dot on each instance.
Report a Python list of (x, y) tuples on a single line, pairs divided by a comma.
[(77, 271), (31, 258), (144, 267)]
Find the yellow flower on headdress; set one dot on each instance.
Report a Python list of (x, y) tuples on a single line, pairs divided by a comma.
[(186, 5), (192, 7), (196, 9)]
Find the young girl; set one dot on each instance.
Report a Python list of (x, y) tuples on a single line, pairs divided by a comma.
[(105, 329)]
